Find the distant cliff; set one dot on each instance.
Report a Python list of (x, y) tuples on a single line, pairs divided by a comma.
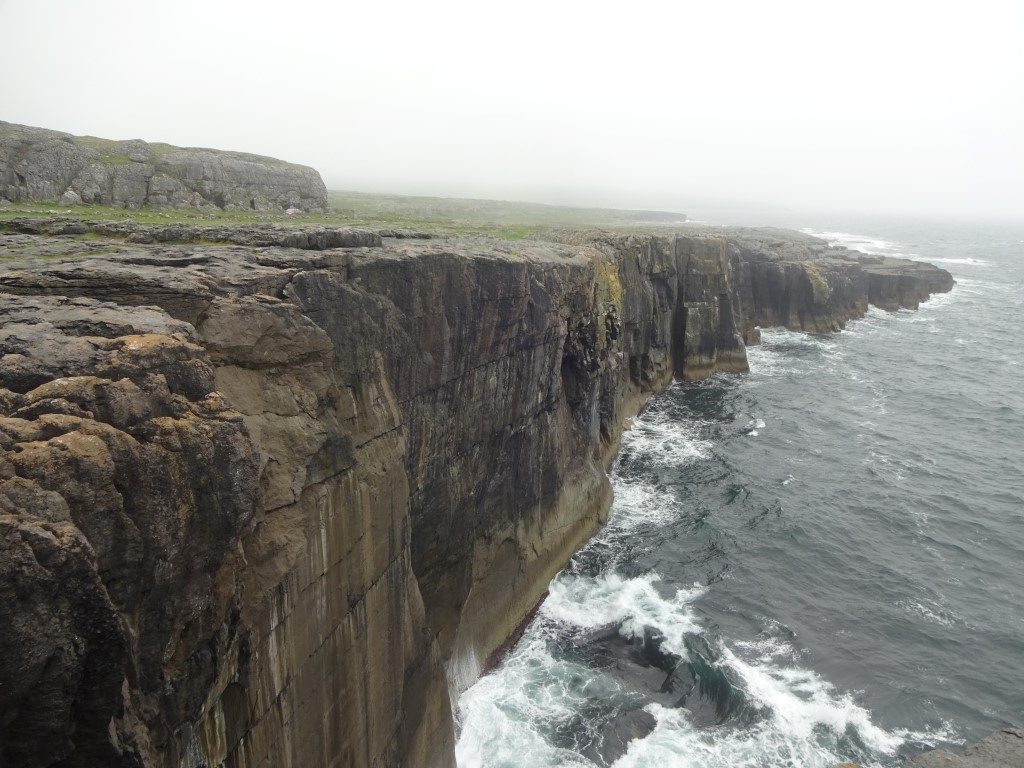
[(40, 165), (268, 501)]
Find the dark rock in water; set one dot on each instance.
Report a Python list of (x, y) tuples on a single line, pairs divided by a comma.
[(263, 501), (653, 652), (606, 633), (703, 689), (642, 664), (40, 165), (616, 734), (1002, 749)]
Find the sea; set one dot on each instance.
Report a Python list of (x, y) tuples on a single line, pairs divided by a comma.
[(817, 562)]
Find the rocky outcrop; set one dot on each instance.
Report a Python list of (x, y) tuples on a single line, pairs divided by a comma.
[(40, 165), (1002, 749), (270, 503), (798, 282)]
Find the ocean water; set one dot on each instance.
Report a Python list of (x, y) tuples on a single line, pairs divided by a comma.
[(816, 562)]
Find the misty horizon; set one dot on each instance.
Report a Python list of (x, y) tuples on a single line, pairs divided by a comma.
[(873, 110)]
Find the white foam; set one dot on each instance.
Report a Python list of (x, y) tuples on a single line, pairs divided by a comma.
[(871, 245), (588, 602), (674, 742), (507, 719), (774, 356), (934, 613), (501, 716), (806, 717), (664, 441), (766, 649), (637, 504), (967, 260), (800, 701), (878, 247), (754, 427), (768, 362)]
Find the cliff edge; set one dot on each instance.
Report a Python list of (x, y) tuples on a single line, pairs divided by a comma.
[(270, 497)]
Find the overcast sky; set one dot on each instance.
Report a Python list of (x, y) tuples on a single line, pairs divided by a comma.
[(864, 106)]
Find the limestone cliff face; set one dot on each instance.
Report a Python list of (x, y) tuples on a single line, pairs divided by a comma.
[(799, 282), (41, 165), (267, 505)]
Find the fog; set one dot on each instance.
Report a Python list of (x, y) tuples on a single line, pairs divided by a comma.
[(875, 107)]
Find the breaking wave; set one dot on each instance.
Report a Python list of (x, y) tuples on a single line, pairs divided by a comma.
[(715, 702)]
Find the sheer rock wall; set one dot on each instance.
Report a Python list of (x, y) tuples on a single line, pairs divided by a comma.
[(266, 505)]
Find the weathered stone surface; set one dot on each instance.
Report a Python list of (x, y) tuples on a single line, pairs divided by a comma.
[(265, 504), (37, 164), (304, 237), (1002, 749), (125, 481)]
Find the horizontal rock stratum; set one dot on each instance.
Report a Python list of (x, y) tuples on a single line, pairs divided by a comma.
[(40, 165), (270, 500)]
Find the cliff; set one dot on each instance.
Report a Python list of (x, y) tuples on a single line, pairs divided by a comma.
[(40, 165), (268, 497)]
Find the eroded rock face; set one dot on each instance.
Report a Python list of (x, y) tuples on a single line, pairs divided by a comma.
[(125, 482), (41, 165), (268, 502)]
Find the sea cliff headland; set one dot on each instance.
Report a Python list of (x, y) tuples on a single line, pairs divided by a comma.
[(271, 494)]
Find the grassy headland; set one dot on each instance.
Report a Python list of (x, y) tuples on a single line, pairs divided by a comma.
[(436, 215)]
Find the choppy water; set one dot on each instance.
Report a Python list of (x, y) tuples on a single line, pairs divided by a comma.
[(819, 561)]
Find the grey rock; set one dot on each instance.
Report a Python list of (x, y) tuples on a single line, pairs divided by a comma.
[(41, 165)]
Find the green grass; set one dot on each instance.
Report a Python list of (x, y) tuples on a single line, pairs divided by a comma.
[(212, 218), (438, 216), (108, 152), (493, 213)]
